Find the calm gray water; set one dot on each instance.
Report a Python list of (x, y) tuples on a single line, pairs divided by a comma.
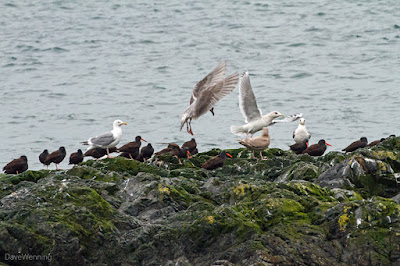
[(68, 69)]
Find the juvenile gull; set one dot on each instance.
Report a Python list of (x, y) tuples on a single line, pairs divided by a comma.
[(300, 134), (254, 119), (259, 143), (207, 93), (217, 74), (107, 140)]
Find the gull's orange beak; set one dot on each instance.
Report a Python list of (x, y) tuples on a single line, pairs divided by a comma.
[(307, 143), (124, 123), (228, 154), (328, 144), (282, 115), (143, 140)]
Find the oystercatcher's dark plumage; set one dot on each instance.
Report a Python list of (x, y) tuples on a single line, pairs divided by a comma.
[(317, 149), (298, 148), (56, 157), (169, 149), (132, 146), (216, 161), (356, 145), (132, 154), (147, 152), (191, 145), (140, 158), (99, 152), (376, 142), (16, 166), (76, 157), (43, 156), (181, 153)]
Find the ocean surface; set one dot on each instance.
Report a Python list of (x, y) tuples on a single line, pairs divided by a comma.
[(68, 69)]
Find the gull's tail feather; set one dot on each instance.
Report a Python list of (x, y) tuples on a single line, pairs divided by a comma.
[(238, 130)]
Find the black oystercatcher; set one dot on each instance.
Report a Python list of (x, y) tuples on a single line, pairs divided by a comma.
[(207, 93), (317, 149), (132, 147), (191, 145), (56, 157), (298, 148), (43, 156), (194, 152), (131, 154), (16, 166), (76, 157), (139, 158), (99, 152), (146, 152), (356, 145), (107, 140), (180, 152), (216, 161), (376, 142), (259, 143), (168, 150)]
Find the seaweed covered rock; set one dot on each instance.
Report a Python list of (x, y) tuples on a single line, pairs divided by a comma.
[(291, 209)]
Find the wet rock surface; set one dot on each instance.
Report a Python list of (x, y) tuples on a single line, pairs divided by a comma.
[(338, 209)]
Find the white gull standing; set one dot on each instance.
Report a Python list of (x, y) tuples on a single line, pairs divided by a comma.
[(108, 139), (207, 93), (300, 134), (254, 119)]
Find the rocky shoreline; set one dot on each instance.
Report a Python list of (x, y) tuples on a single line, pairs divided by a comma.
[(337, 209)]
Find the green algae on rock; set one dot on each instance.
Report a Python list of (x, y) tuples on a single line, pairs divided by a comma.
[(291, 209)]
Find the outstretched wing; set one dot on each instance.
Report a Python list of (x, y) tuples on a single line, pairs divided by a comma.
[(217, 74), (103, 139), (289, 118), (211, 95), (247, 100)]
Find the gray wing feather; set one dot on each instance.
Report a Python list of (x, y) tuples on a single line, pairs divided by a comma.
[(210, 96), (103, 139), (217, 74), (247, 100), (289, 118)]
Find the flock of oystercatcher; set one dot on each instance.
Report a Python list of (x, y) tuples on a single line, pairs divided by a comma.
[(206, 93)]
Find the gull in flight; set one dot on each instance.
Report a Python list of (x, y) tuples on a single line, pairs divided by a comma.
[(207, 93), (254, 119)]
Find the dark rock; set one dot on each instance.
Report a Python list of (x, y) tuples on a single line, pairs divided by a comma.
[(337, 209)]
